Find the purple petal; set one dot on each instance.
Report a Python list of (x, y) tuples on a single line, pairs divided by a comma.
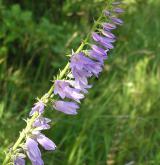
[(45, 142), (108, 26), (81, 75), (96, 56), (108, 34), (117, 21), (73, 94), (64, 89), (103, 41), (118, 10), (107, 45), (80, 86), (109, 40), (82, 67), (38, 107), (42, 123), (59, 86), (96, 37), (33, 152), (66, 107), (99, 50), (19, 161)]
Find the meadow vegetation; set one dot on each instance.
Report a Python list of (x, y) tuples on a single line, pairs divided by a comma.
[(119, 121)]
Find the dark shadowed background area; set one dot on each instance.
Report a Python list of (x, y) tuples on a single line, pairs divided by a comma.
[(119, 121)]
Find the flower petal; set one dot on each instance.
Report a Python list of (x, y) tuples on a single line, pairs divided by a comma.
[(45, 142)]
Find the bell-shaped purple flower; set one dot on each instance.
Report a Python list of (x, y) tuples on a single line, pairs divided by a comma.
[(117, 21), (33, 152), (103, 41), (96, 37), (69, 108), (64, 89), (98, 53), (45, 142), (91, 66), (19, 161), (85, 65), (38, 107), (59, 87), (42, 123), (109, 26), (93, 54), (78, 69), (108, 34), (118, 10), (78, 85), (80, 75)]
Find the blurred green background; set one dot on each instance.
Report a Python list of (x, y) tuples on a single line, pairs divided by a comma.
[(119, 121)]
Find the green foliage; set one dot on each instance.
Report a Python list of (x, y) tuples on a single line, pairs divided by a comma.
[(121, 111)]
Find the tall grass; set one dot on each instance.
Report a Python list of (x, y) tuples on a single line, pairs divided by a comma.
[(118, 122)]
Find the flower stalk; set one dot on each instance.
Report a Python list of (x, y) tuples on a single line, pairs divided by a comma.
[(32, 119), (83, 65)]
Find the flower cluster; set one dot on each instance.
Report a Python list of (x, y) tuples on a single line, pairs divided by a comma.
[(86, 64), (35, 137), (72, 90)]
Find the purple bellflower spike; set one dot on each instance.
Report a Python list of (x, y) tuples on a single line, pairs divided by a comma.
[(76, 73), (45, 142), (64, 90), (33, 152), (108, 26), (117, 21), (69, 108), (38, 107), (19, 161), (42, 123)]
